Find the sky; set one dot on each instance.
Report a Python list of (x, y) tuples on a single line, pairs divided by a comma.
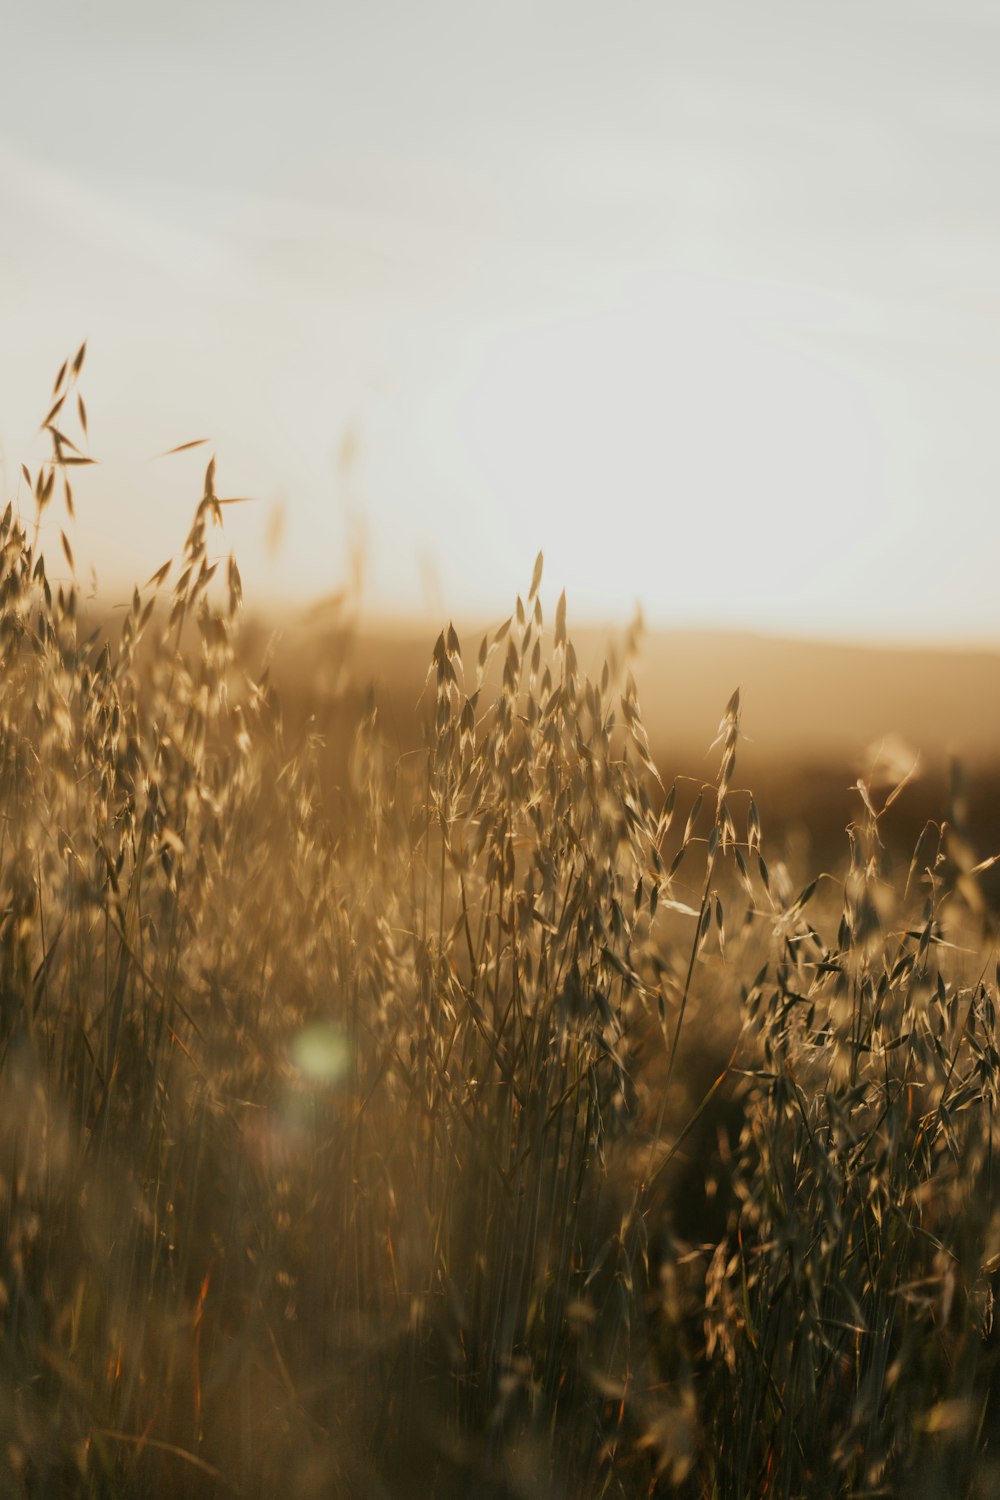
[(701, 299)]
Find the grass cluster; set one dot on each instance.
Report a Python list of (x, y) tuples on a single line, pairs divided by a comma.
[(487, 1121)]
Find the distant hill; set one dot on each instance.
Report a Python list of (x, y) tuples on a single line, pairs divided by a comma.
[(802, 700), (822, 701), (812, 711)]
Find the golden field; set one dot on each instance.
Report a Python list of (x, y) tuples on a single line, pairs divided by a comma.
[(431, 1071)]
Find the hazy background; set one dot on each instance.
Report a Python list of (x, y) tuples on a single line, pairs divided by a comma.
[(702, 299)]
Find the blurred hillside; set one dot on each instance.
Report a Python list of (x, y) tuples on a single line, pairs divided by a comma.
[(816, 715)]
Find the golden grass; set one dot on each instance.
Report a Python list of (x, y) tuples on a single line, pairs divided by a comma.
[(489, 1120)]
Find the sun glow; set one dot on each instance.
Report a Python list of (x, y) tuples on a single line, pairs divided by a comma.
[(669, 449), (727, 346)]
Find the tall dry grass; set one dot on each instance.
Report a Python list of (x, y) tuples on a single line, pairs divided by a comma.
[(490, 1121)]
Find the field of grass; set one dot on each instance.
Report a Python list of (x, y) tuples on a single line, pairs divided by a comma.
[(489, 1119)]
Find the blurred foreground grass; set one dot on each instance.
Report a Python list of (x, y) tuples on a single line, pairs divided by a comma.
[(486, 1119)]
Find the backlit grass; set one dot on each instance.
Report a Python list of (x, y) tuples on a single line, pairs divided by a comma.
[(487, 1121)]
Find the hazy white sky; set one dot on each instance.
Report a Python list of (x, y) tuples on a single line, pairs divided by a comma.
[(703, 299)]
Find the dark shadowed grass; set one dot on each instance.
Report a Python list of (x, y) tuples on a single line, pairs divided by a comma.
[(486, 1120)]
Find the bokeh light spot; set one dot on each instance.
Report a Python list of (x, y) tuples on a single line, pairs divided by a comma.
[(321, 1053)]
